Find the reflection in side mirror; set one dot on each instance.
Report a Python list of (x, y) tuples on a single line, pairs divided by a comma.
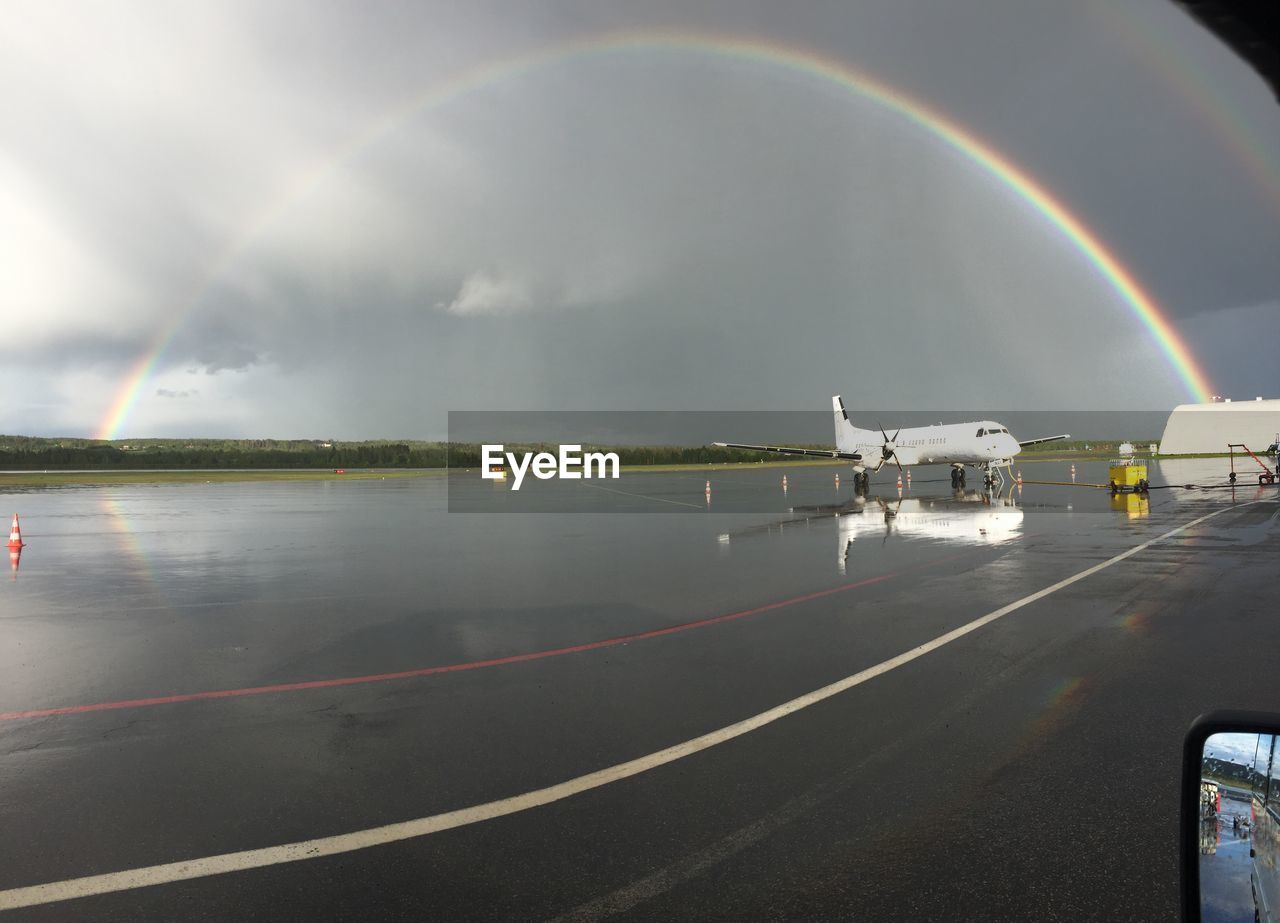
[(1231, 821)]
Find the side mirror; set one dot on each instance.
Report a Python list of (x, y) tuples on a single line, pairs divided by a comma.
[(1231, 817)]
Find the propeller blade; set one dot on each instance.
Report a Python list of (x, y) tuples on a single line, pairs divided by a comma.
[(896, 462), (895, 435)]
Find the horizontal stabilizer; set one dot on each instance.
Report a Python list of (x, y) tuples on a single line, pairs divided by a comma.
[(783, 450), (1045, 439)]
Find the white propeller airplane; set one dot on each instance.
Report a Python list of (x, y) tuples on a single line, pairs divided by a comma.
[(982, 444)]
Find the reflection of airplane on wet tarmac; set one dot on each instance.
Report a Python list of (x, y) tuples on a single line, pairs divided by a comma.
[(965, 516), (981, 444)]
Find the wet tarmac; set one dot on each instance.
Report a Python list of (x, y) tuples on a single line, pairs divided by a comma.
[(1226, 893), (190, 671)]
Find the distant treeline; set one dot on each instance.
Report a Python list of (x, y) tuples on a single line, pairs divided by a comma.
[(1226, 770), (1091, 445), (26, 453)]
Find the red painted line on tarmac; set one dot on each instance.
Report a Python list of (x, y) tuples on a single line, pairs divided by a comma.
[(448, 668)]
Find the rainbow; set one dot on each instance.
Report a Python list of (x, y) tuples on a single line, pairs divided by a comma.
[(798, 61), (1165, 52)]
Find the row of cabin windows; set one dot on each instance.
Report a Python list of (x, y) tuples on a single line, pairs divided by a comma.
[(940, 440), (919, 442)]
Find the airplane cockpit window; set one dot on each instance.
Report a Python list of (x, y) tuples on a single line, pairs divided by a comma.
[(982, 432)]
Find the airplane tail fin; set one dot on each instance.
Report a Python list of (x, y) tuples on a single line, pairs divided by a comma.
[(844, 427)]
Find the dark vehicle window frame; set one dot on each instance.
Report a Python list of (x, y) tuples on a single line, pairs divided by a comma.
[(1204, 727)]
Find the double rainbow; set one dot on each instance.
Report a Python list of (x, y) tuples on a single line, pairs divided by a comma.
[(797, 61)]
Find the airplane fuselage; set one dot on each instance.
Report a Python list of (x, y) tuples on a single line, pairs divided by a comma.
[(976, 443)]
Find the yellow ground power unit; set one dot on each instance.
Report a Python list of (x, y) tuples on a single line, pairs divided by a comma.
[(1128, 476)]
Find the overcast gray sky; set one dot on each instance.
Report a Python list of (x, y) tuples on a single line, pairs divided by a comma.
[(639, 229)]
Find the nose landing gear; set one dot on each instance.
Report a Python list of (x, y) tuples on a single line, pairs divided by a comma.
[(991, 476)]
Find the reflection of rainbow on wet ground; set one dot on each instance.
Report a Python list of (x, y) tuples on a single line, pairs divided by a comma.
[(1136, 623), (1061, 701), (135, 567)]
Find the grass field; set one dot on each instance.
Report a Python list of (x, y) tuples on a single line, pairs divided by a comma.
[(107, 478), (10, 480)]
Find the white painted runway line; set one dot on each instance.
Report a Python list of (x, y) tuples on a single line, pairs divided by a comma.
[(184, 870)]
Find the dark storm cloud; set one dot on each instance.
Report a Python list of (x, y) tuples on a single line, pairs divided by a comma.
[(634, 230)]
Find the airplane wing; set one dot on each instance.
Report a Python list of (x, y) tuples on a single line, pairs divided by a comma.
[(783, 450), (1045, 439)]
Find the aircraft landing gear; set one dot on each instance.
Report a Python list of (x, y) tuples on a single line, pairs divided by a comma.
[(957, 478), (861, 482)]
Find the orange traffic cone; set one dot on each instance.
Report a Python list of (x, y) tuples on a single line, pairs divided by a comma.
[(14, 555), (15, 533), (899, 482)]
